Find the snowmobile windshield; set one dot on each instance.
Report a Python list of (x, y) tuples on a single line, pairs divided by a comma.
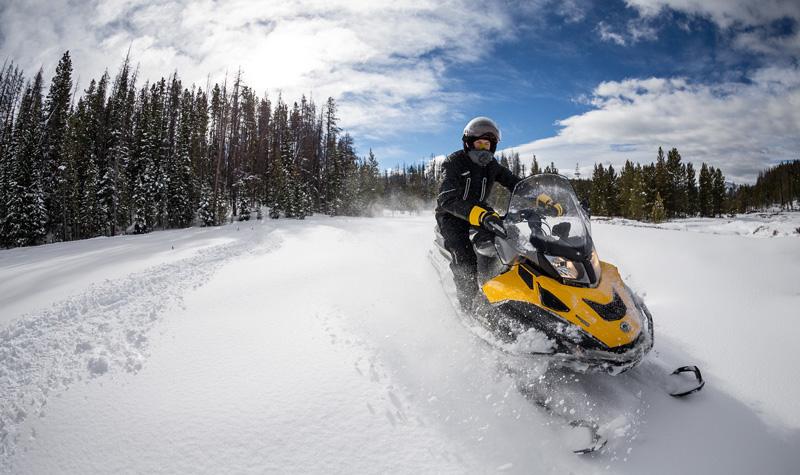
[(547, 217)]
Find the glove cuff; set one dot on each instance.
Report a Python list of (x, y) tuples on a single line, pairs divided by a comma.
[(476, 215)]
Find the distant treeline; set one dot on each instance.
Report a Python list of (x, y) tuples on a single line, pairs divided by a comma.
[(133, 158), (776, 186), (670, 189), (128, 158)]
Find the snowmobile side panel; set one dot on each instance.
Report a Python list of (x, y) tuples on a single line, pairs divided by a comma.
[(581, 306)]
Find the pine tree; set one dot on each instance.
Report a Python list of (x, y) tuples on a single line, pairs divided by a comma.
[(55, 162), (663, 181), (24, 223), (180, 184), (598, 194), (658, 214), (675, 199), (637, 199), (205, 209), (535, 170), (625, 188), (330, 185), (691, 191), (120, 110), (11, 82), (704, 195), (140, 164), (104, 195), (718, 192), (610, 191)]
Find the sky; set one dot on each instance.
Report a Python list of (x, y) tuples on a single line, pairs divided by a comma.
[(575, 82)]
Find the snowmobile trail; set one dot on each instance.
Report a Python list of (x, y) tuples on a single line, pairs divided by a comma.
[(106, 328), (329, 346)]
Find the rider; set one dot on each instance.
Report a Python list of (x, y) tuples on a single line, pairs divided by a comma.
[(468, 176)]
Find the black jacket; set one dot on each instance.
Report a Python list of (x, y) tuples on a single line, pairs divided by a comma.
[(466, 184)]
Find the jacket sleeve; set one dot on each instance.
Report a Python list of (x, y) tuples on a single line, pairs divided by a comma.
[(506, 178), (451, 192)]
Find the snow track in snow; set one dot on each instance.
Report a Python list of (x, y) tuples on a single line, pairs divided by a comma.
[(339, 353), (101, 330)]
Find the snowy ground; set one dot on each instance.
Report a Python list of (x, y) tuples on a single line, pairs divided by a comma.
[(329, 346), (766, 224)]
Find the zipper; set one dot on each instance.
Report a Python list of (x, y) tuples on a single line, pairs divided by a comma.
[(483, 189), (466, 189)]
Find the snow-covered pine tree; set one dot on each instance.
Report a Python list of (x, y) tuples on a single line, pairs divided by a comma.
[(201, 165), (11, 82), (120, 136), (330, 184), (101, 220), (54, 165), (180, 209), (217, 146), (159, 150), (205, 207), (173, 159), (233, 151), (139, 164), (263, 149), (26, 216)]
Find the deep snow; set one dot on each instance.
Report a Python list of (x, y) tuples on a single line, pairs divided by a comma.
[(329, 345)]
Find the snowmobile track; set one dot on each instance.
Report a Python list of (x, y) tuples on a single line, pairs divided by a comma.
[(102, 330)]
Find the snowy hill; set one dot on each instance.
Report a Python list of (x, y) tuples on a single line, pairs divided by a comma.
[(329, 346)]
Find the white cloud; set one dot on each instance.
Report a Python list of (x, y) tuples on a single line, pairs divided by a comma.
[(725, 13), (634, 31), (606, 34), (738, 127), (740, 16), (384, 59)]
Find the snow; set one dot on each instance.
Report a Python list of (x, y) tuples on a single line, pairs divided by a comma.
[(329, 346), (765, 224)]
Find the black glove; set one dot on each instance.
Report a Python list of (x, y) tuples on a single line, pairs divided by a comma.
[(493, 223)]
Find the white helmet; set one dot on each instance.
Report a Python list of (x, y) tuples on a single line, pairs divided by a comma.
[(481, 128)]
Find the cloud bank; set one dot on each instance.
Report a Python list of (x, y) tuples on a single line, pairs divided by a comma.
[(384, 60), (741, 127)]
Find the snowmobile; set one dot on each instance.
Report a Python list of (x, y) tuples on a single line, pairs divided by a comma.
[(540, 275)]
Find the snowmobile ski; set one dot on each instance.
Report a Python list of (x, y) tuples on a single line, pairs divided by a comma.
[(698, 383), (598, 441)]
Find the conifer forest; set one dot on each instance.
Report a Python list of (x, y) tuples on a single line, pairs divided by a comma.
[(132, 156)]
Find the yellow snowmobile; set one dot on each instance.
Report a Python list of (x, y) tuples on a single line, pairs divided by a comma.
[(546, 292)]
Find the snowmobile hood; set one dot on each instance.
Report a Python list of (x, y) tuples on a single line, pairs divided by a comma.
[(606, 313)]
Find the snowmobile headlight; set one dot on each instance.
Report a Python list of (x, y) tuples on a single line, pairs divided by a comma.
[(565, 267)]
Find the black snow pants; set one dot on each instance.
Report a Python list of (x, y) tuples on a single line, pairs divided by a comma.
[(455, 232)]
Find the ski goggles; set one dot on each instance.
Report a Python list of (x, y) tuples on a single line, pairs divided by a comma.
[(482, 144)]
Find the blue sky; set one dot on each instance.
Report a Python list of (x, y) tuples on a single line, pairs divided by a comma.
[(572, 81), (549, 71)]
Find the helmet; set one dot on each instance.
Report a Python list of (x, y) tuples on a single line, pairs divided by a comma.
[(481, 128)]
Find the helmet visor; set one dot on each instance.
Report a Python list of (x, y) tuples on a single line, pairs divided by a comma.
[(482, 127)]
